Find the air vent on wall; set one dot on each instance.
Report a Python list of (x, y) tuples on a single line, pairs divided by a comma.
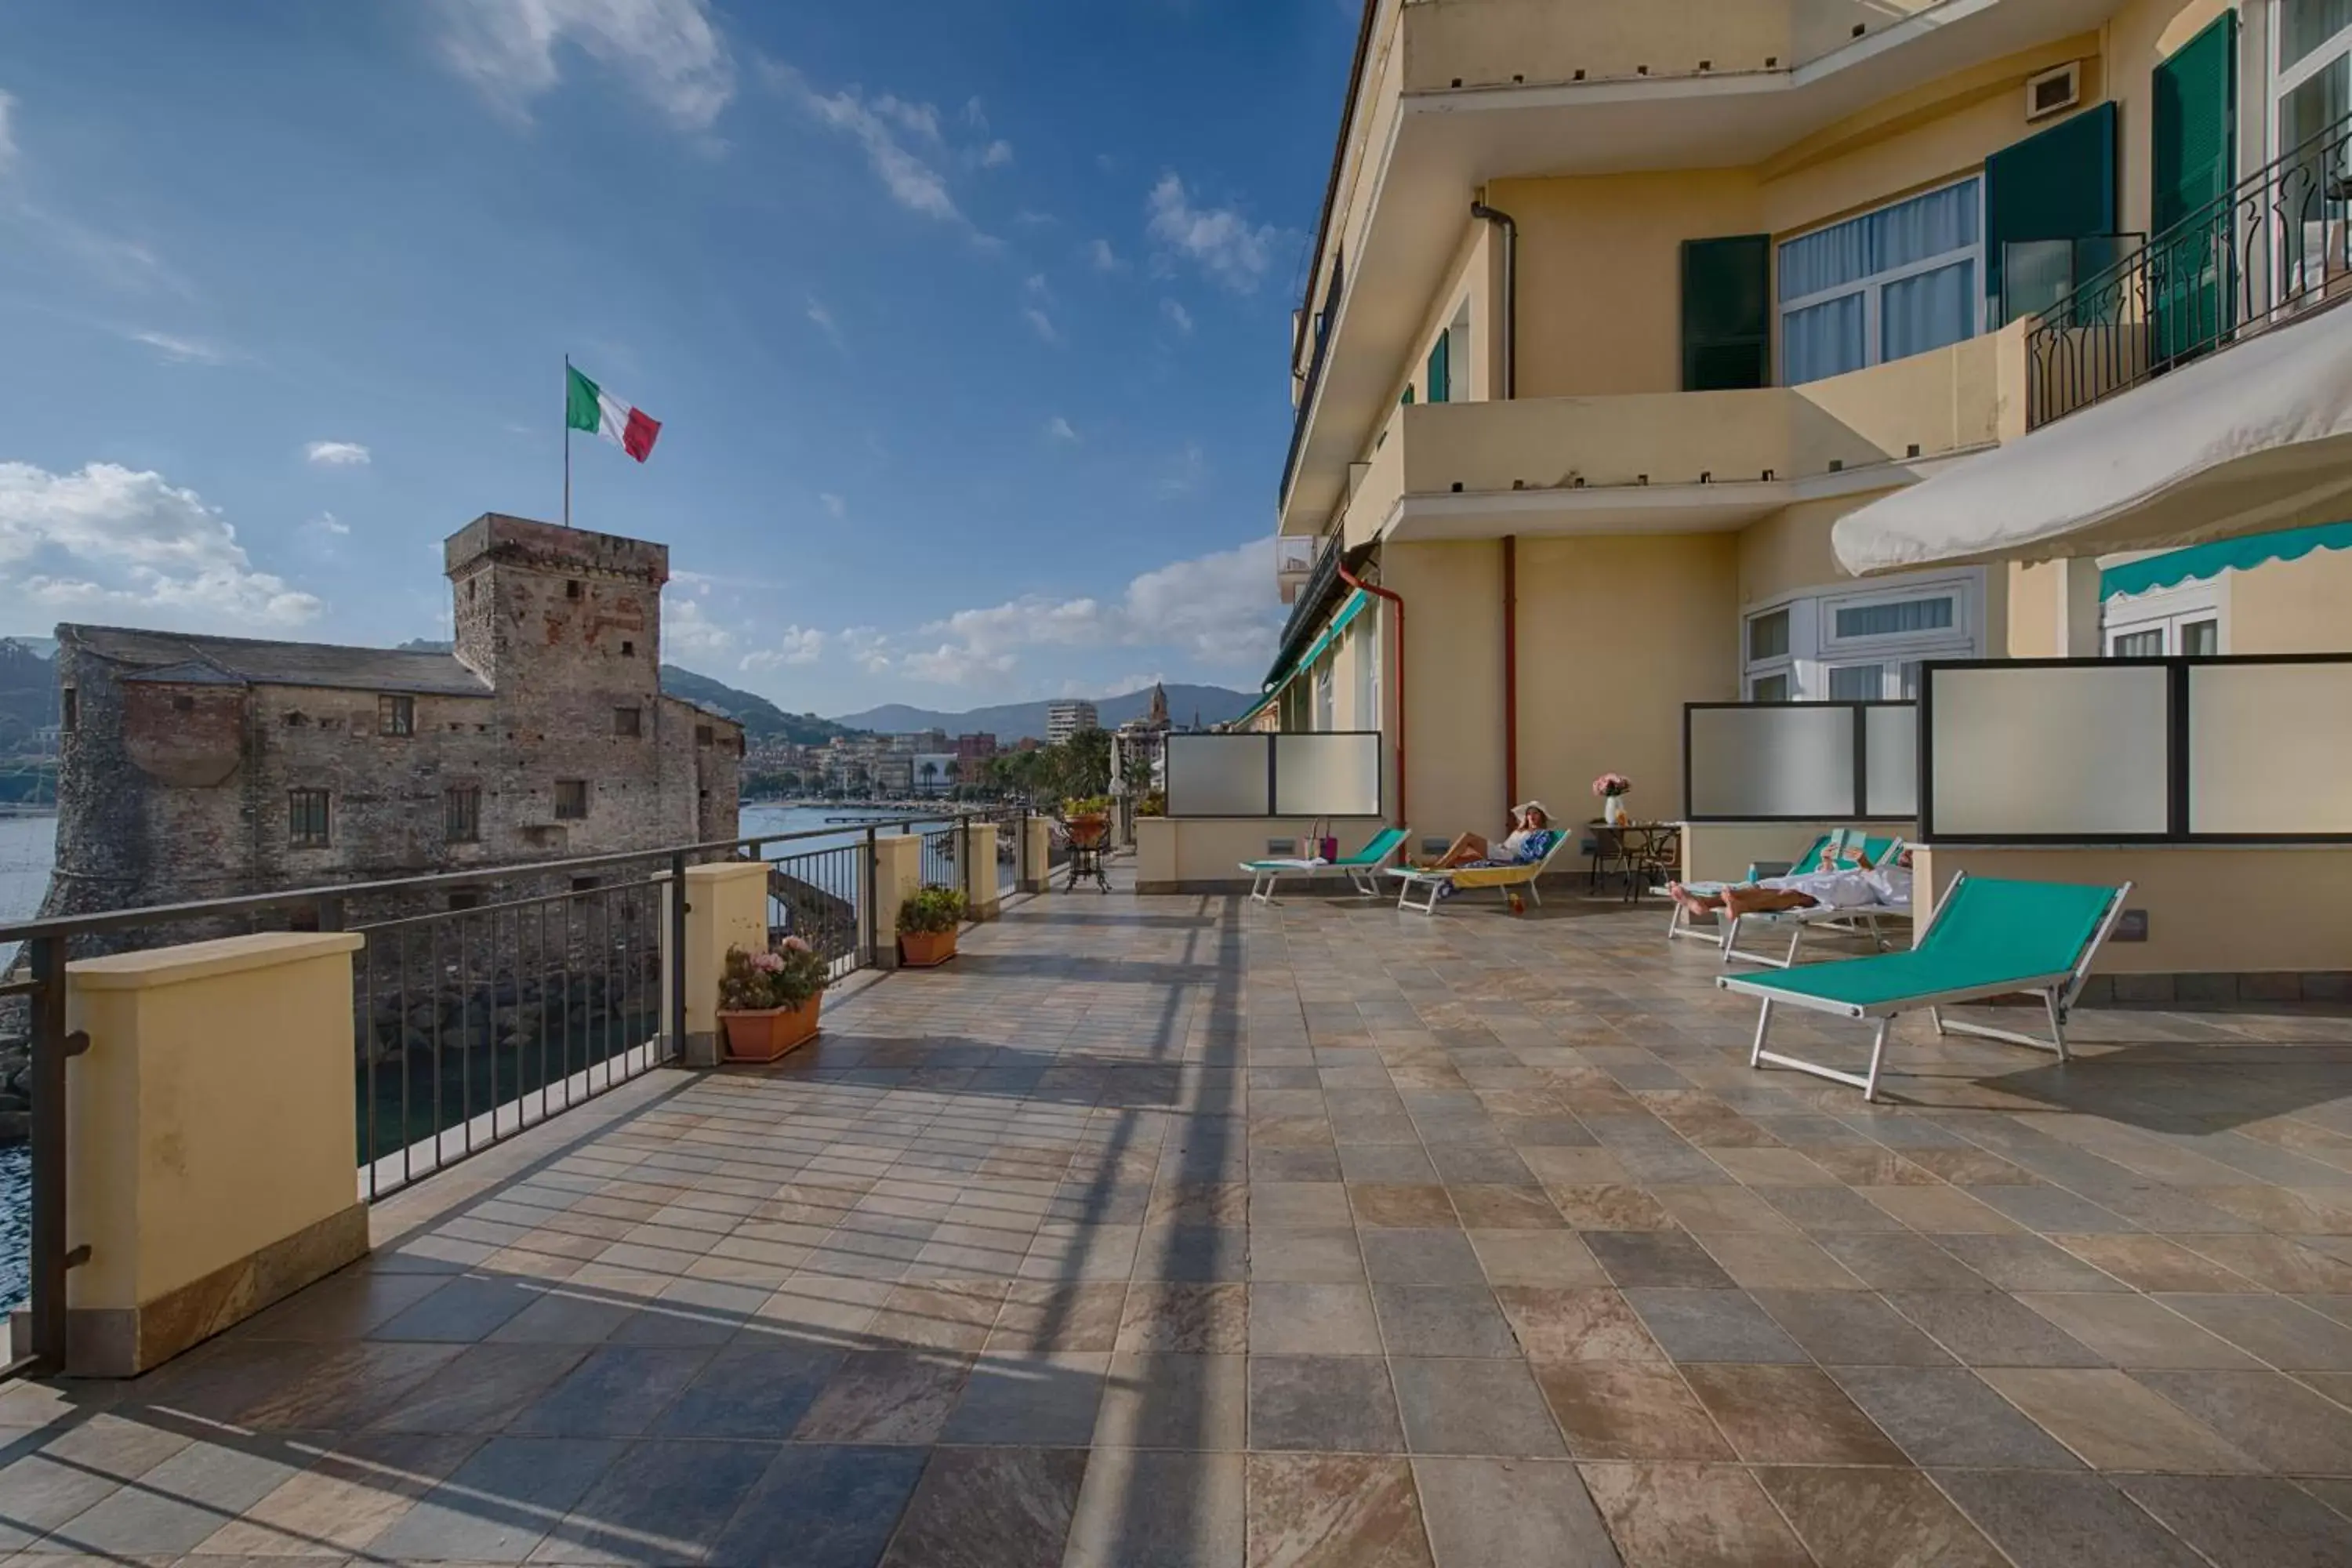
[(2054, 92)]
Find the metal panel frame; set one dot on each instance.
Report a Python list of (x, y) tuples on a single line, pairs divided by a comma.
[(1858, 738)]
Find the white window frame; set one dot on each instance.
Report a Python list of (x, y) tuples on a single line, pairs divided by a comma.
[(1815, 648), (2282, 80), (1874, 341), (1325, 677), (2170, 611)]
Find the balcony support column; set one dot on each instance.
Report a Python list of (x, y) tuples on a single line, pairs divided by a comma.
[(1511, 671)]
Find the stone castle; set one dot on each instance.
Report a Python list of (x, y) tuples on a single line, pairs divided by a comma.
[(200, 767)]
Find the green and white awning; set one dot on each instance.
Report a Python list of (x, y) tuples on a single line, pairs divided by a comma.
[(1350, 608), (2201, 561)]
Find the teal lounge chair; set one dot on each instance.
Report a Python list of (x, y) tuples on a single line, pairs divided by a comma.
[(1866, 922), (1361, 869), (1987, 938)]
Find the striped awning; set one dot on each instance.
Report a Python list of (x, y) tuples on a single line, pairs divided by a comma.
[(2201, 561), (1350, 608)]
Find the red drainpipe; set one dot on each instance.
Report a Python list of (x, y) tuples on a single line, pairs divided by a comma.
[(1511, 671), (1350, 578)]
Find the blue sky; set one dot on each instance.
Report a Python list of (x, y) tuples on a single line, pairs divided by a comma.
[(966, 323)]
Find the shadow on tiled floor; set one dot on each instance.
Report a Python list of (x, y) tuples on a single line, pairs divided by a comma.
[(1182, 1231)]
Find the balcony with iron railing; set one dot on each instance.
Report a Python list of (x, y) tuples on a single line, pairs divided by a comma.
[(2266, 254)]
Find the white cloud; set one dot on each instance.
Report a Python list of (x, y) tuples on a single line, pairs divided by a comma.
[(823, 321), (1058, 430), (1041, 323), (690, 631), (328, 523), (879, 125), (794, 646), (1219, 240), (114, 542), (1219, 609), (835, 506), (1178, 317), (7, 135), (184, 351), (668, 52), (997, 154), (1184, 472), (1102, 258), (337, 455)]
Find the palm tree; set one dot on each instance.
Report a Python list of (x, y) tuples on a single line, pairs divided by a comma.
[(930, 775)]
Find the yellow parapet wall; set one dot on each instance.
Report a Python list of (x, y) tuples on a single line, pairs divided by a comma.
[(211, 1164), (726, 906)]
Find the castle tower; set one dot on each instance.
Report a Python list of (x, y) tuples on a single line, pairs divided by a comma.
[(546, 612)]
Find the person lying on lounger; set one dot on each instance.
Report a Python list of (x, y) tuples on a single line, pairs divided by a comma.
[(1471, 849), (1839, 882)]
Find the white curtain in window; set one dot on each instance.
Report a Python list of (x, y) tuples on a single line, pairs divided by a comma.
[(1927, 311), (1823, 339), (1884, 241)]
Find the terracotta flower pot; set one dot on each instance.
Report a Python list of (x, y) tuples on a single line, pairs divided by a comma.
[(1087, 830), (925, 949), (769, 1033)]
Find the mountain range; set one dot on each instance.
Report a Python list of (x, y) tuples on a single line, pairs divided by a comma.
[(1014, 721)]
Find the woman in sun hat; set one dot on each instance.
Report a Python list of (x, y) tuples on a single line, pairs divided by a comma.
[(1518, 845)]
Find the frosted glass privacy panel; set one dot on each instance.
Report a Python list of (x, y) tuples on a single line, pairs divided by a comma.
[(1326, 775), (1218, 776), (1796, 760), (1890, 748), (2029, 750), (2269, 748)]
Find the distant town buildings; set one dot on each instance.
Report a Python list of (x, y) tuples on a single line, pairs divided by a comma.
[(1065, 719), (198, 767)]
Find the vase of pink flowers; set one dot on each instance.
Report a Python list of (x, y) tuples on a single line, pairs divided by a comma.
[(768, 1002), (1612, 789)]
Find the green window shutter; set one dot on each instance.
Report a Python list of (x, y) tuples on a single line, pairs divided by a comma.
[(1406, 401), (2195, 126), (1727, 312), (1440, 379), (2058, 185)]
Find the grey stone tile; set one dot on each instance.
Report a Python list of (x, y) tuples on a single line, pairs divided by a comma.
[(500, 1503), (755, 1390), (1901, 1262), (486, 1386), (1483, 1407), (2052, 1210), (1712, 1325), (1305, 1256), (2046, 1519), (1987, 1329), (2244, 1521), (2273, 1418), (465, 1310), (976, 1506), (2017, 1261), (1146, 1508), (1043, 1399), (1949, 1417), (1326, 1402), (1190, 1401), (1668, 1258), (1850, 1328), (1510, 1513), (1443, 1320), (660, 1502), (886, 1397), (2136, 1330), (616, 1392), (1312, 1319), (2286, 1333), (1420, 1258)]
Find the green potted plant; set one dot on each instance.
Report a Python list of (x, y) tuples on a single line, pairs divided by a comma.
[(928, 922), (1153, 803), (768, 1002)]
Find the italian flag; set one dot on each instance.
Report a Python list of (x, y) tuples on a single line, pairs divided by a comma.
[(588, 407)]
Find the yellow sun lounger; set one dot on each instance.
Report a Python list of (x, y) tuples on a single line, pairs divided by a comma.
[(1432, 886)]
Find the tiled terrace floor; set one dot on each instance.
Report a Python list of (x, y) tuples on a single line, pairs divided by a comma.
[(1176, 1231)]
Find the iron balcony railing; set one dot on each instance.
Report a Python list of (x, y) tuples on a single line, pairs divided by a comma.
[(2267, 253), (1325, 319), (1306, 610), (535, 985)]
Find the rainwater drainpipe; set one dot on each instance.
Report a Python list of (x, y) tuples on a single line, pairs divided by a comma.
[(1350, 578), (1509, 337)]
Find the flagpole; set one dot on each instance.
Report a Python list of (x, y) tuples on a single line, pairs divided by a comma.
[(567, 440)]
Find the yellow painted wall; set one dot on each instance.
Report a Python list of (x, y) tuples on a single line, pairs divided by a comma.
[(1615, 634), (212, 1115), (2292, 606), (1600, 273), (1187, 851), (2211, 910), (2035, 590), (1454, 683)]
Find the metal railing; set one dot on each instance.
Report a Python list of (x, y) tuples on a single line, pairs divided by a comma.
[(2268, 252), (1306, 609), (532, 987), (942, 854), (1325, 320)]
